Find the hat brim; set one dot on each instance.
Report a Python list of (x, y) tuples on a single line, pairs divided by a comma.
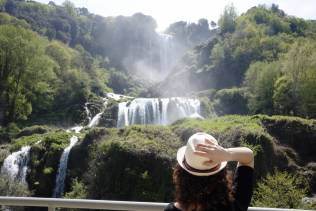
[(180, 158)]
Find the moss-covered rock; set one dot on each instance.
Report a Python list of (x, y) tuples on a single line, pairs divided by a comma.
[(82, 153), (294, 132), (110, 115), (134, 163), (35, 129), (44, 160)]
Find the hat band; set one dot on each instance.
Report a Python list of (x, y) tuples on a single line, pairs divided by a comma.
[(190, 168)]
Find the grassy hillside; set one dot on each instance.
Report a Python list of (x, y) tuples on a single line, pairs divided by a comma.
[(140, 158)]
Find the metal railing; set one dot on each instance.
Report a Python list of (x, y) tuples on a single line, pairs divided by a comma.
[(53, 203)]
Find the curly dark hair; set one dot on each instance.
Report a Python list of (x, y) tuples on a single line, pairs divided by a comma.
[(197, 193)]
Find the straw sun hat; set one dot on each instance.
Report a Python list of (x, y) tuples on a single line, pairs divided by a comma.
[(195, 164)]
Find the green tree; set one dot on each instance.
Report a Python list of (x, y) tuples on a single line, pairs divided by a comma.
[(300, 67), (231, 101), (70, 7), (23, 68), (260, 79), (2, 3), (280, 190), (227, 20), (283, 96), (61, 54)]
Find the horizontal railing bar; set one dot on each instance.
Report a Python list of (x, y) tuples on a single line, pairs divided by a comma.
[(98, 204), (81, 203)]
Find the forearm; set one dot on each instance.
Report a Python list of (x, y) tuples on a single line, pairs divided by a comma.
[(243, 155)]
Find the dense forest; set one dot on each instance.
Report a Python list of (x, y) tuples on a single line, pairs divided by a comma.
[(57, 62), (262, 59), (84, 55)]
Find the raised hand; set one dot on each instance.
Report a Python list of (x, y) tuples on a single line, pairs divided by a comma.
[(214, 152)]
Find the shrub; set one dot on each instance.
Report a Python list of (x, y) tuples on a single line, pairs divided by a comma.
[(35, 129), (78, 190), (231, 101), (4, 152), (207, 110), (10, 187), (280, 190), (12, 129)]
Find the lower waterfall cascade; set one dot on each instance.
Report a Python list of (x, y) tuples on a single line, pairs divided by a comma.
[(157, 111), (161, 111), (62, 169), (15, 165)]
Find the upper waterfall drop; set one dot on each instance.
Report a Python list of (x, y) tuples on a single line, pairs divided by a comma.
[(168, 53), (157, 111)]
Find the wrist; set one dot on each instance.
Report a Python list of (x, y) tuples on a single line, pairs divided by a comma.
[(229, 154)]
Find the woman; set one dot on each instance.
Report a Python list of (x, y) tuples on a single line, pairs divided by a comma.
[(201, 180)]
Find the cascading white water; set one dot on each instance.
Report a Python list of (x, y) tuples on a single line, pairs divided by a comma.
[(167, 52), (62, 168), (95, 120), (88, 113), (157, 111), (164, 117), (15, 165)]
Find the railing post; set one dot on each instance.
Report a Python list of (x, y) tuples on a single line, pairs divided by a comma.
[(51, 208)]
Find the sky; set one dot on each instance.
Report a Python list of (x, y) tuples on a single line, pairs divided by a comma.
[(166, 12)]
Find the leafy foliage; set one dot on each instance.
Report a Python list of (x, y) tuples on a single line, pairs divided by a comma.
[(9, 187), (280, 190), (231, 101), (260, 79), (134, 163), (78, 190), (40, 77), (264, 50), (227, 21)]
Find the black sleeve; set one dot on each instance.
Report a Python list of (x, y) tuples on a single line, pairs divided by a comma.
[(243, 187), (171, 207)]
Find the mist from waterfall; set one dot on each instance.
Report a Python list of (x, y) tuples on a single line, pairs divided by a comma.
[(62, 169), (162, 52), (15, 165), (157, 111)]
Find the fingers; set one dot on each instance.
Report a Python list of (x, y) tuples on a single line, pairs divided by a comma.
[(208, 141), (202, 154), (204, 147)]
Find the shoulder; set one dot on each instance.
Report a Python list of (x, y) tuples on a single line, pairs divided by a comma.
[(171, 207)]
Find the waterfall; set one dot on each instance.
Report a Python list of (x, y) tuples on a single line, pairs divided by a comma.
[(167, 52), (88, 113), (157, 111), (15, 165), (95, 120), (62, 168)]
